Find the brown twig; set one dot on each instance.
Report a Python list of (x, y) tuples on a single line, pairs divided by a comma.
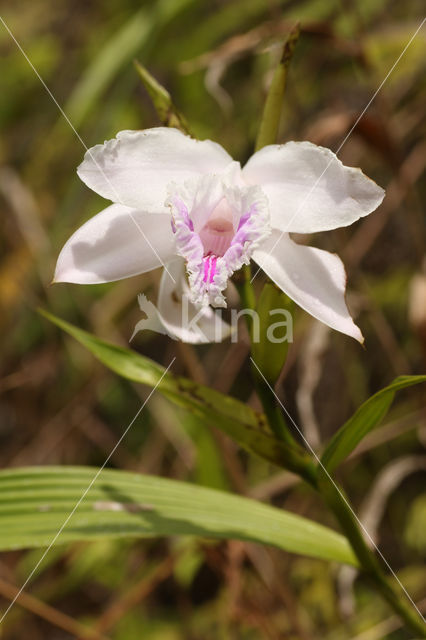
[(133, 596), (45, 611)]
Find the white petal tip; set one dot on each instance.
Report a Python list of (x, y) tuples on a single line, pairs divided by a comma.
[(71, 277), (61, 277), (57, 278), (353, 331)]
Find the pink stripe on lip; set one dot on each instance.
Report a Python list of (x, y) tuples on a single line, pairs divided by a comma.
[(209, 268), (212, 268)]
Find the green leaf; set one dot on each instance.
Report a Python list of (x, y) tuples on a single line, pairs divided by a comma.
[(247, 427), (35, 502), (107, 63), (271, 116), (162, 101), (368, 416)]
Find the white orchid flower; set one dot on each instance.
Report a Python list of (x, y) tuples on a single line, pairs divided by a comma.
[(186, 205)]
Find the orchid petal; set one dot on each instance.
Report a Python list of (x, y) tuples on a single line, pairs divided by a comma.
[(181, 318), (135, 168), (309, 189), (117, 243), (313, 278)]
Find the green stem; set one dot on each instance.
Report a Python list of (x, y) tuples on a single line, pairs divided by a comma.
[(272, 411), (270, 121), (369, 562), (400, 604), (242, 280), (297, 461), (304, 465)]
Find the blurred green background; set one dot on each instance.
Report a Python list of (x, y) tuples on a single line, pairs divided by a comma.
[(58, 406)]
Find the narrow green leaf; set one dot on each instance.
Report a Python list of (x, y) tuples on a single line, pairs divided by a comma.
[(128, 40), (35, 502), (162, 101), (247, 427), (271, 116), (368, 416), (106, 64)]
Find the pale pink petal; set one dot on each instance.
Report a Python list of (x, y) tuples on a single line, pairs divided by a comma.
[(117, 243), (313, 278), (135, 168), (309, 189)]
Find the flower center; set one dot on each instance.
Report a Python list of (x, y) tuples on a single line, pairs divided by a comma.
[(216, 237), (217, 227)]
